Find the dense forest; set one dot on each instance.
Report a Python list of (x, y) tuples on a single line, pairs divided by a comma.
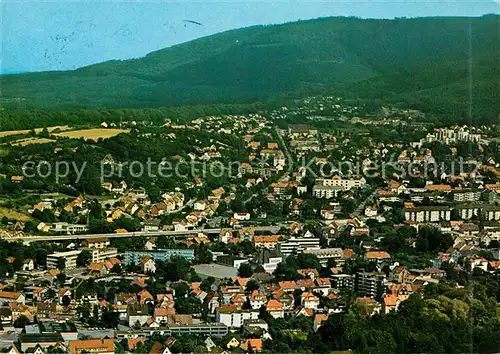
[(448, 66)]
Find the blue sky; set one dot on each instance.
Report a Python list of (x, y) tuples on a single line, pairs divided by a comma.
[(66, 34)]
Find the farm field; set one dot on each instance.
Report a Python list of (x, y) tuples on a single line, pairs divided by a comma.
[(29, 141), (92, 134), (12, 214), (37, 130)]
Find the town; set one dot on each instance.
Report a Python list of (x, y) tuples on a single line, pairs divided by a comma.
[(333, 211)]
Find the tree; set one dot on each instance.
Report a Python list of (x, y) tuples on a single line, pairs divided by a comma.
[(181, 289), (83, 258), (203, 254), (245, 270), (66, 300), (117, 268), (49, 294), (61, 263), (252, 285), (21, 322)]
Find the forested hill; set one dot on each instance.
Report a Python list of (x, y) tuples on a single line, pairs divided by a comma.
[(424, 61)]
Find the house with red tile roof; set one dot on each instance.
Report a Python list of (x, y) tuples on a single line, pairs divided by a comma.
[(95, 346), (288, 286), (252, 345), (257, 299), (275, 308), (309, 300), (319, 318)]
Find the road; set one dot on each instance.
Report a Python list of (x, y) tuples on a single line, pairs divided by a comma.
[(287, 152), (361, 206), (131, 234)]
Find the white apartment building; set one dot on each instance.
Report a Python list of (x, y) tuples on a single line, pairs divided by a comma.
[(295, 245), (468, 211), (324, 254), (344, 184), (69, 257), (492, 213), (234, 318), (467, 196), (326, 192), (428, 214), (102, 254), (271, 264), (69, 229)]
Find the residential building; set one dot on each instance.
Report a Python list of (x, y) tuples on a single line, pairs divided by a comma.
[(326, 192), (94, 346), (151, 225), (11, 296), (101, 242), (242, 216), (102, 254), (275, 308), (69, 258), (491, 212), (257, 299), (231, 316), (427, 213), (370, 284), (269, 241), (69, 229), (343, 281), (324, 254), (344, 184), (137, 314), (148, 265), (269, 259), (158, 255), (295, 245), (469, 195), (43, 340)]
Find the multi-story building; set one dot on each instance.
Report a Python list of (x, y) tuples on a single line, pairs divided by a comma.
[(427, 213), (486, 211), (268, 241), (344, 184), (370, 284), (491, 212), (101, 242), (469, 210), (102, 254), (295, 245), (202, 329), (326, 192), (97, 346), (343, 281), (470, 195), (324, 254), (69, 229), (135, 257), (269, 260), (231, 316), (299, 130), (69, 258)]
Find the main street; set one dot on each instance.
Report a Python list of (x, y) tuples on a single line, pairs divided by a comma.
[(33, 238)]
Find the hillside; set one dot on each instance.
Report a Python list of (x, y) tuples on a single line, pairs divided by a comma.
[(423, 61)]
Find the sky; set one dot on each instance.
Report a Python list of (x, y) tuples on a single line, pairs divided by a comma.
[(39, 35)]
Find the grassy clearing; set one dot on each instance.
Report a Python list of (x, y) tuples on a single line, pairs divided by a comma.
[(93, 134), (12, 214), (37, 130), (29, 141)]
